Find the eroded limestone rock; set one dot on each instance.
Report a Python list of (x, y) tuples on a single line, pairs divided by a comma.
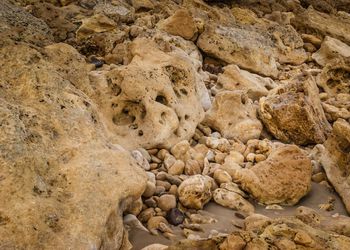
[(155, 100), (335, 159), (293, 113), (61, 178), (283, 178), (234, 115), (195, 191)]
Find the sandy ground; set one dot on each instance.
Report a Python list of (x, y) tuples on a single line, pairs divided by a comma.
[(229, 222)]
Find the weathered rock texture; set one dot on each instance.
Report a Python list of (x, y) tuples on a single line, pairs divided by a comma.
[(64, 184), (254, 85), (234, 115), (285, 177), (155, 100), (294, 113), (335, 159)]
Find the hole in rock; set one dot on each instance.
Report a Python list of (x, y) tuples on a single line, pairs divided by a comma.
[(162, 99)]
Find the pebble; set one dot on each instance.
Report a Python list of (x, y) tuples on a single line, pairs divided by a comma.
[(159, 190), (175, 216), (167, 202), (145, 154), (162, 154), (173, 180), (164, 184), (155, 159), (173, 190), (260, 157), (220, 157), (221, 176), (146, 214), (235, 157), (154, 223), (250, 157), (177, 168), (319, 177), (180, 149), (151, 202), (192, 167), (169, 160), (150, 189)]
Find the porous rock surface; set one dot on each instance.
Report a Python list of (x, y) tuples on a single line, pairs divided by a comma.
[(284, 177), (60, 177), (171, 119)]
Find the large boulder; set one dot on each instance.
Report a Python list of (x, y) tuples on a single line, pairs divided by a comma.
[(281, 44), (283, 178), (153, 101), (315, 22), (234, 78), (331, 48), (293, 113), (234, 115), (335, 159), (64, 184)]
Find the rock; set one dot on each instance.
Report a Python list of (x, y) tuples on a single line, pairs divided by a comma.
[(18, 25), (195, 191), (167, 202), (62, 176), (146, 214), (260, 157), (221, 176), (155, 246), (233, 187), (96, 24), (153, 102), (154, 224), (233, 242), (175, 216), (335, 158), (319, 23), (150, 189), (135, 207), (192, 167), (235, 157), (284, 178), (254, 85), (338, 224), (177, 168), (229, 44), (180, 150), (131, 222), (335, 76), (181, 24), (295, 114), (143, 4), (331, 48), (232, 200), (234, 115)]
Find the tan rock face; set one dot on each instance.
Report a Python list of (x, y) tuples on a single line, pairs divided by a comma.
[(314, 21), (234, 115), (282, 44), (229, 45), (335, 159), (284, 178), (61, 178), (335, 76), (293, 113), (195, 191), (235, 78), (331, 48), (19, 25), (154, 100), (181, 23)]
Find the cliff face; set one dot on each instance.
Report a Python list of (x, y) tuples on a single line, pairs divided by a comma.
[(108, 108)]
